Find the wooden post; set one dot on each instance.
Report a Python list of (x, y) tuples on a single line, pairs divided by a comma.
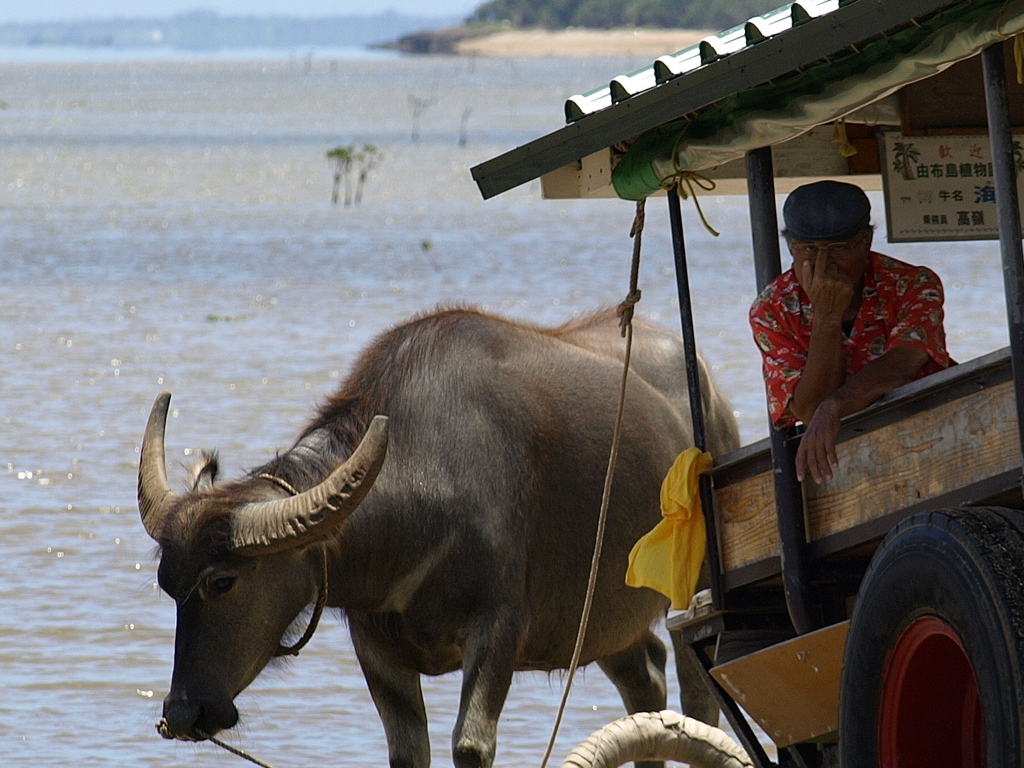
[(697, 656), (789, 501), (696, 398), (686, 319), (764, 222), (1007, 205)]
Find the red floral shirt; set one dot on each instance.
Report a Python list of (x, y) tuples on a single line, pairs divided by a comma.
[(901, 306)]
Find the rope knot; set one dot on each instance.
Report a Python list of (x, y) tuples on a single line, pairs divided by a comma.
[(638, 220), (625, 310), (686, 184), (684, 180), (846, 149)]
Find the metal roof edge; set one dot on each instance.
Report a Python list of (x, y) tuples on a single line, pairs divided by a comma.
[(813, 40)]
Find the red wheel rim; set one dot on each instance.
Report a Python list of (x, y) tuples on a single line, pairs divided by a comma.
[(930, 713)]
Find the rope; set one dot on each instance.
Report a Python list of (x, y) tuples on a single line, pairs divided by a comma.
[(846, 149), (680, 177), (625, 313), (292, 650), (236, 751), (321, 598), (162, 729), (689, 178), (279, 482), (314, 620), (625, 309)]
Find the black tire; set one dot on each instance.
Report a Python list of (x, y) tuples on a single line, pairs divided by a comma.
[(933, 672)]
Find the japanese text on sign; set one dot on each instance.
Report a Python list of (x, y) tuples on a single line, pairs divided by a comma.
[(941, 187)]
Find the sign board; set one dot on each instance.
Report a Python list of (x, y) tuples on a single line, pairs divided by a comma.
[(941, 187)]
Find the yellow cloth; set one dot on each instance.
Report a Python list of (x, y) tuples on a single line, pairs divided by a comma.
[(668, 558), (846, 149)]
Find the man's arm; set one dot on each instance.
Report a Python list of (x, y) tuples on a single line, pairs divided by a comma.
[(824, 371), (831, 293), (817, 452)]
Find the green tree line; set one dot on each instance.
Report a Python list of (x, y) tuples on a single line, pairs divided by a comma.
[(604, 14)]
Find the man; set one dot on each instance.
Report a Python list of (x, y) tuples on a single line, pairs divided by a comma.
[(844, 325)]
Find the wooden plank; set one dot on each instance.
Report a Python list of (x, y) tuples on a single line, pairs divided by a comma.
[(791, 689), (918, 458), (749, 531), (902, 463), (795, 163)]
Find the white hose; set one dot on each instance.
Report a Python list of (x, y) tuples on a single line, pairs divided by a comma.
[(664, 735)]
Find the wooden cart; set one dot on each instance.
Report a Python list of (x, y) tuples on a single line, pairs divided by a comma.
[(877, 618)]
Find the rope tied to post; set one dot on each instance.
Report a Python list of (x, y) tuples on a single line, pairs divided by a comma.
[(686, 182), (846, 149), (625, 314), (625, 308)]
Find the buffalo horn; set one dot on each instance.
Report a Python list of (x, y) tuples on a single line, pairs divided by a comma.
[(271, 526), (155, 494)]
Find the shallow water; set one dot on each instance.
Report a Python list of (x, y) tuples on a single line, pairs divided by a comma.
[(167, 225)]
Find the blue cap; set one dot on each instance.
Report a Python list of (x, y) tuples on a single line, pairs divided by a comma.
[(826, 210)]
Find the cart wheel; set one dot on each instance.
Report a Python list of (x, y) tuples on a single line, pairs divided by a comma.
[(932, 674)]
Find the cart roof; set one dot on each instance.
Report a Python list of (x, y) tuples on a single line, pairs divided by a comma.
[(768, 82)]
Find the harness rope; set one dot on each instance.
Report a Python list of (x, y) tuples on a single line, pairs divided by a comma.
[(236, 751), (625, 313), (291, 650), (286, 486), (321, 598)]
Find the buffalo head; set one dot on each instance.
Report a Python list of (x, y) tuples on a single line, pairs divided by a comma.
[(241, 562)]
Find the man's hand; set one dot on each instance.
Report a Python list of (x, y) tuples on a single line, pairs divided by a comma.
[(817, 451), (831, 292), (829, 288)]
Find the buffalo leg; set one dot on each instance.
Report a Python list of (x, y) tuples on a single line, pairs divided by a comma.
[(486, 678), (694, 697), (639, 675), (398, 697)]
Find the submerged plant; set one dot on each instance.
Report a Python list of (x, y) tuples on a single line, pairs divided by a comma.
[(346, 159)]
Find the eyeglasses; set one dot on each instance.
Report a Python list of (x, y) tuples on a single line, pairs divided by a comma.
[(838, 250)]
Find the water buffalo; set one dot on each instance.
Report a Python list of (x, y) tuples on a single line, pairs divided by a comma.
[(467, 548)]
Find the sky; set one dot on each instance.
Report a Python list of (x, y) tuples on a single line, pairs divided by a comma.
[(57, 10)]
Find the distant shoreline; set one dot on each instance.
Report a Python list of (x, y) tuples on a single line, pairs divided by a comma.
[(461, 41), (581, 42), (468, 41)]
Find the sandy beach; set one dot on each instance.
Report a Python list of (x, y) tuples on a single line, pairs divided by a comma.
[(581, 42)]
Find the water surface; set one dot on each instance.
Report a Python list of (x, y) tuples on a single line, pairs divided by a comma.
[(167, 225)]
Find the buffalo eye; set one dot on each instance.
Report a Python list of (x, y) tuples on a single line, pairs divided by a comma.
[(219, 585)]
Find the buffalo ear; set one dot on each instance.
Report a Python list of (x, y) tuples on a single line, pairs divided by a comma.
[(203, 473)]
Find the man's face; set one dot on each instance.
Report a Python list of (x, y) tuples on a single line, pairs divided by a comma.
[(847, 257)]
